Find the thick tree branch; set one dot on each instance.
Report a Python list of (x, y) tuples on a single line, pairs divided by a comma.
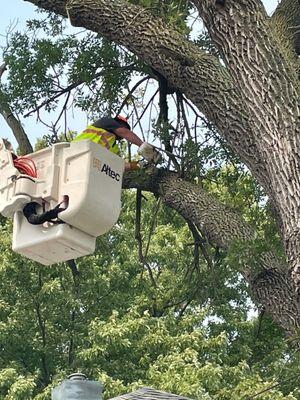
[(203, 79), (12, 121), (16, 127)]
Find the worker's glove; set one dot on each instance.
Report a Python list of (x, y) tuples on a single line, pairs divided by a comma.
[(149, 153), (132, 166)]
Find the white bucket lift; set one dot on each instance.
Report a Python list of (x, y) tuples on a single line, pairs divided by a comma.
[(83, 172)]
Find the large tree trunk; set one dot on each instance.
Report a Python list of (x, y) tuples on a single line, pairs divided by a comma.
[(266, 74), (252, 98)]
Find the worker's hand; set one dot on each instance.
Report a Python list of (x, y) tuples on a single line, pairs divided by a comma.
[(150, 154), (132, 166)]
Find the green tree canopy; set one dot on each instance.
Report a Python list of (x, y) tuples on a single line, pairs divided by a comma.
[(166, 302), (131, 324)]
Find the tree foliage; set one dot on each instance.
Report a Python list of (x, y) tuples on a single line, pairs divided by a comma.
[(130, 325), (163, 304)]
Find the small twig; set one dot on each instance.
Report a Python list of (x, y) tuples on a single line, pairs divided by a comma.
[(138, 237), (131, 91), (196, 244), (65, 126), (270, 388), (71, 87), (145, 108), (152, 225), (136, 114), (201, 117), (183, 114), (63, 109), (58, 94), (199, 243), (184, 307)]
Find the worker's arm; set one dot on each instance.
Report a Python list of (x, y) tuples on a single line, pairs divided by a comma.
[(145, 149), (125, 133)]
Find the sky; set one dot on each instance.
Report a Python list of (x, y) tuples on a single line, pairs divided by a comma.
[(15, 13)]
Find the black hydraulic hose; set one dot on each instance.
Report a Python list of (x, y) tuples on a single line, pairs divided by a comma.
[(30, 212)]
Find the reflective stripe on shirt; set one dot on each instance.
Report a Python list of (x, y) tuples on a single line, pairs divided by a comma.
[(100, 136)]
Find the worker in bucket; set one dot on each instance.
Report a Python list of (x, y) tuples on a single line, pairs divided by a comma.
[(107, 131)]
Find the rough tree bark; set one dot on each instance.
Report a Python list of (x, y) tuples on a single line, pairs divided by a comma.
[(252, 98), (266, 75)]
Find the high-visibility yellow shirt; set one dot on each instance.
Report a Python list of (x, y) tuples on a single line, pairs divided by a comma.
[(100, 136)]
